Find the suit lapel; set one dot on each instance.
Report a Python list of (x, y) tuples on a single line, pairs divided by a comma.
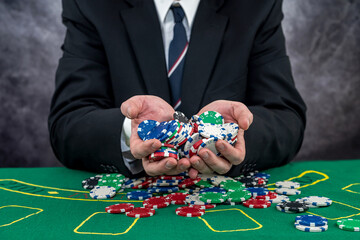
[(206, 37), (142, 24)]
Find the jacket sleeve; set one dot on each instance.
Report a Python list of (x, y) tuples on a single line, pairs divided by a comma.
[(277, 131), (84, 123)]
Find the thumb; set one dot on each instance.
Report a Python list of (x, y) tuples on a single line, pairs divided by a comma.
[(131, 107)]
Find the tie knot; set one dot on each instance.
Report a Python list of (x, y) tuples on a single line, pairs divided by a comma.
[(178, 12)]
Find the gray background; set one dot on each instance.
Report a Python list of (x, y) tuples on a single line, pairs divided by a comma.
[(322, 41)]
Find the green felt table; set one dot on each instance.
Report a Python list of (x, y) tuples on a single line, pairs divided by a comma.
[(49, 203)]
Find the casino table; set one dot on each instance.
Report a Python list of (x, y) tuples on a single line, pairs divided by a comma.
[(50, 203)]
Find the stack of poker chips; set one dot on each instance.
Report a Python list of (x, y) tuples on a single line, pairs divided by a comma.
[(181, 137), (104, 186), (311, 223), (287, 188)]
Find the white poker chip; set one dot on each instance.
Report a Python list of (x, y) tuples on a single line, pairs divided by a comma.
[(216, 180), (194, 199), (191, 141), (209, 143), (206, 176), (232, 130), (102, 192), (279, 199), (287, 184), (209, 130), (310, 229), (287, 191), (316, 201)]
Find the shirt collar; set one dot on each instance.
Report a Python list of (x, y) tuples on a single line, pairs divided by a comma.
[(189, 6)]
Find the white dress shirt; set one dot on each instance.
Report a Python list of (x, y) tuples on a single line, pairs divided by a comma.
[(166, 19)]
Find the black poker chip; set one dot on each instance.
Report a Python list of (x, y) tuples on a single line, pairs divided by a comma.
[(294, 206), (90, 182), (180, 117)]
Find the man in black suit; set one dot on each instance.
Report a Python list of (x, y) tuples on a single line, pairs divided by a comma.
[(236, 64)]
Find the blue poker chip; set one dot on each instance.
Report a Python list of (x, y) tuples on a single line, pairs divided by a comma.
[(173, 126), (257, 191), (311, 220), (213, 189), (138, 195), (169, 189), (145, 127), (262, 175), (167, 181), (158, 132)]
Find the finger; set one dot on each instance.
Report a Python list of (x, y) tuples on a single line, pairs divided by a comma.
[(131, 107), (200, 165), (140, 149), (242, 115), (214, 162), (161, 167), (193, 173), (234, 155)]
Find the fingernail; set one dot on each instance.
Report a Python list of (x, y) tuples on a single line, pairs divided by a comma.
[(205, 155), (168, 165), (128, 112), (197, 163), (154, 146), (183, 168), (221, 147)]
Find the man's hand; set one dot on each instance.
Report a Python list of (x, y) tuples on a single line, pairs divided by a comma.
[(138, 109), (207, 161)]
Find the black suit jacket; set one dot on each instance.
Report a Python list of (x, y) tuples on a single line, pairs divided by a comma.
[(113, 50)]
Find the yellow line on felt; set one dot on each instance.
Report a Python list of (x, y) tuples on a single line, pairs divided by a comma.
[(339, 217), (345, 188), (95, 233), (235, 230), (39, 211), (326, 177)]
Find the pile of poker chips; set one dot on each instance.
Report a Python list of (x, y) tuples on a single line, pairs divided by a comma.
[(287, 188), (104, 186), (181, 137), (311, 223)]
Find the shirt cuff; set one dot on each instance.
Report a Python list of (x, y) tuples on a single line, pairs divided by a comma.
[(134, 165)]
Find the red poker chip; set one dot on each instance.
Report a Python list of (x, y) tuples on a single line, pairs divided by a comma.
[(188, 182), (144, 184), (166, 177), (189, 212), (168, 145), (156, 202), (270, 195), (157, 156), (141, 212), (207, 206), (119, 208), (257, 203), (177, 198)]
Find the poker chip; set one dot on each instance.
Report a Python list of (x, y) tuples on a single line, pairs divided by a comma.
[(191, 141), (256, 203), (268, 196), (249, 181), (112, 176), (212, 117), (238, 196), (213, 197), (203, 184), (352, 225), (262, 175), (158, 132), (231, 185), (287, 191), (188, 182), (310, 229), (209, 130), (214, 189), (156, 202), (316, 201), (90, 183), (209, 143), (257, 191), (293, 206), (102, 192), (141, 212), (138, 195), (179, 116), (216, 180), (194, 199), (165, 183), (206, 176), (311, 220), (279, 199), (157, 156), (190, 211), (177, 198), (205, 206), (145, 127), (287, 184), (119, 208), (170, 189), (166, 177)]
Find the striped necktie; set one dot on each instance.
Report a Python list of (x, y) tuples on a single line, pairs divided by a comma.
[(177, 51)]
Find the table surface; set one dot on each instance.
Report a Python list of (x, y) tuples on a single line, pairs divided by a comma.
[(49, 203)]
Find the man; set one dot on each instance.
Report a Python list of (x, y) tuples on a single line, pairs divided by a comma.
[(121, 53)]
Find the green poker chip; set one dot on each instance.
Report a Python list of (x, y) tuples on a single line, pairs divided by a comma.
[(203, 184), (352, 225), (231, 185), (110, 176), (239, 196), (213, 197), (212, 117), (111, 183)]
